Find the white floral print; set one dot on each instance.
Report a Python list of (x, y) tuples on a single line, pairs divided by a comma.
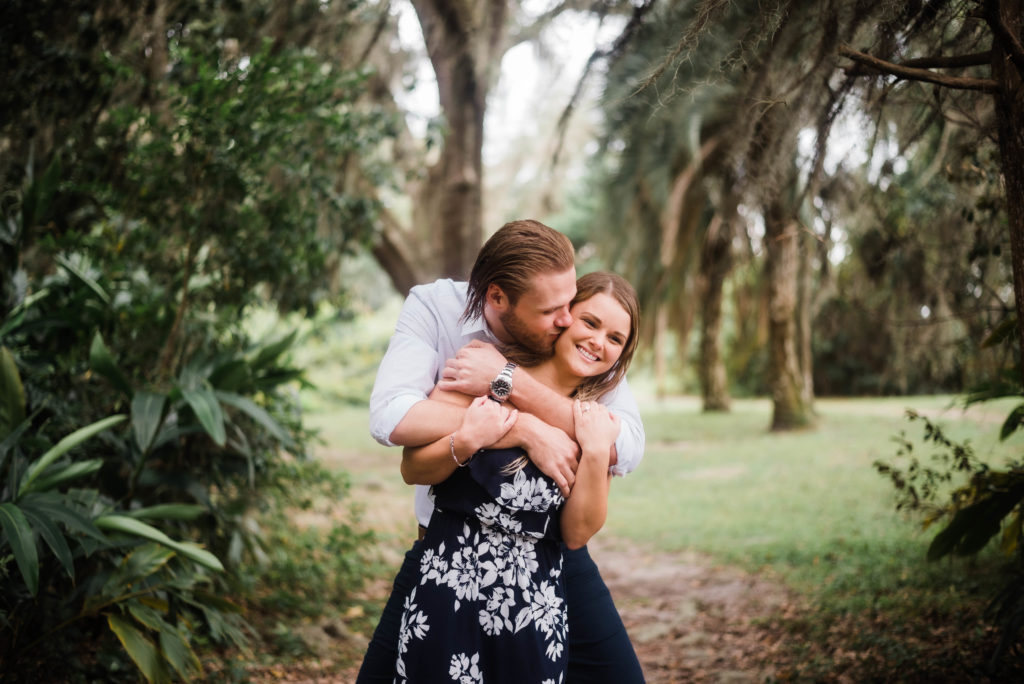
[(493, 566), (413, 625), (465, 670)]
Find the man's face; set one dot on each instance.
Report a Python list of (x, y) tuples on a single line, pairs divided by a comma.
[(542, 312)]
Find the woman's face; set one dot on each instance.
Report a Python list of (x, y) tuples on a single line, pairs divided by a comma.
[(596, 338)]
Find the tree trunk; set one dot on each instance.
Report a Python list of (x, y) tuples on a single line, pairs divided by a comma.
[(658, 347), (789, 409), (805, 315), (1007, 72), (393, 257), (464, 40), (716, 261)]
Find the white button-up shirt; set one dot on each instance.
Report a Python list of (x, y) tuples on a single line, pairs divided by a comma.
[(428, 333)]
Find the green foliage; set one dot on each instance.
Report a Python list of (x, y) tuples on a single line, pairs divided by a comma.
[(805, 509), (316, 561), (239, 175), (157, 184), (199, 456), (47, 530), (976, 501)]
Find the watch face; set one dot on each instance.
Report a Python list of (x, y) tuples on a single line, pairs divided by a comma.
[(501, 388)]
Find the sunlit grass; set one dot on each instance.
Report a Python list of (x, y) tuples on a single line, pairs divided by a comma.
[(807, 507)]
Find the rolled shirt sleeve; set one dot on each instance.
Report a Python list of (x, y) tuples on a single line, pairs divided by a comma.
[(409, 369)]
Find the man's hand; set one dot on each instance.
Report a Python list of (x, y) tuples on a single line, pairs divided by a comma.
[(550, 449), (472, 369)]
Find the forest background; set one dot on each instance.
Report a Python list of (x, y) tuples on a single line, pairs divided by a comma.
[(812, 200)]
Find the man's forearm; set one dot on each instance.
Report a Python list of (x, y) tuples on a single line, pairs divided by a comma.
[(532, 396), (431, 420), (426, 422)]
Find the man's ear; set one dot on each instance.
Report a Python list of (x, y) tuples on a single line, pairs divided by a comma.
[(496, 298)]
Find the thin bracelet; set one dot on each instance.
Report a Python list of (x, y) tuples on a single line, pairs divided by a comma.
[(451, 445)]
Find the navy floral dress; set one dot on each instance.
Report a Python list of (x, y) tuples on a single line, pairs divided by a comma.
[(490, 604)]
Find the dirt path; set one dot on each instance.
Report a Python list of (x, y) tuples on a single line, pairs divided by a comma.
[(690, 620)]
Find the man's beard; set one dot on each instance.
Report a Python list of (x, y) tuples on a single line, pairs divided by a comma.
[(542, 345)]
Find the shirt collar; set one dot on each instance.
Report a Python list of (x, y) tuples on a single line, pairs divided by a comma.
[(477, 327)]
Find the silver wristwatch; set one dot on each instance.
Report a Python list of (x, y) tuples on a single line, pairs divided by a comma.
[(501, 386)]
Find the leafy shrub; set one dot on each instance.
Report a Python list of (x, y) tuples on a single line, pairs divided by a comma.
[(81, 557), (142, 214), (976, 501)]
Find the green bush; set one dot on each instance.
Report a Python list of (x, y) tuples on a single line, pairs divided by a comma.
[(976, 503), (82, 558), (143, 214)]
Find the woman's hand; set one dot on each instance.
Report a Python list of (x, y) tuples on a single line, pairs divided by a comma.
[(596, 428), (485, 422)]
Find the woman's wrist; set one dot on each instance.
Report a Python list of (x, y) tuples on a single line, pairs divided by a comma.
[(462, 449), (596, 451)]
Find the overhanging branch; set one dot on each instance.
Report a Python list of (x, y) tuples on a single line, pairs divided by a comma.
[(954, 62), (911, 73)]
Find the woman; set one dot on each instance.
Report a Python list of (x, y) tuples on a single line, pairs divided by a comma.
[(489, 605)]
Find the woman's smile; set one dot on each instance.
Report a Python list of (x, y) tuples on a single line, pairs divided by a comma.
[(599, 329)]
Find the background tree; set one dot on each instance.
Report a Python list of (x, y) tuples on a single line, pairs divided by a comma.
[(987, 40), (756, 92), (435, 228)]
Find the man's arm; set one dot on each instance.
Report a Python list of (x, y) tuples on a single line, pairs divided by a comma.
[(399, 411), (551, 450), (401, 414), (629, 445), (478, 363), (485, 422)]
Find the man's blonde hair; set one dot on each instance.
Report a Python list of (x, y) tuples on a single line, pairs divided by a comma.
[(511, 257)]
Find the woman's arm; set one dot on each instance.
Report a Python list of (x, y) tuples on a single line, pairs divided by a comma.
[(586, 509), (484, 423)]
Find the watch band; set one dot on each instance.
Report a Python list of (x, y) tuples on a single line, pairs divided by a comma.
[(501, 386)]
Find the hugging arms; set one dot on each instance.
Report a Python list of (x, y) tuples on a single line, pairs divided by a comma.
[(550, 441)]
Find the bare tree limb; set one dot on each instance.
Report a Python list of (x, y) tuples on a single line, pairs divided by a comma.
[(531, 31), (389, 251), (985, 85), (706, 13), (382, 22), (954, 62)]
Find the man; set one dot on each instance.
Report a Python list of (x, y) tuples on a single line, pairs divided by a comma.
[(518, 294)]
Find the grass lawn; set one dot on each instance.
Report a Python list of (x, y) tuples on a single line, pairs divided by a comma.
[(807, 506)]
